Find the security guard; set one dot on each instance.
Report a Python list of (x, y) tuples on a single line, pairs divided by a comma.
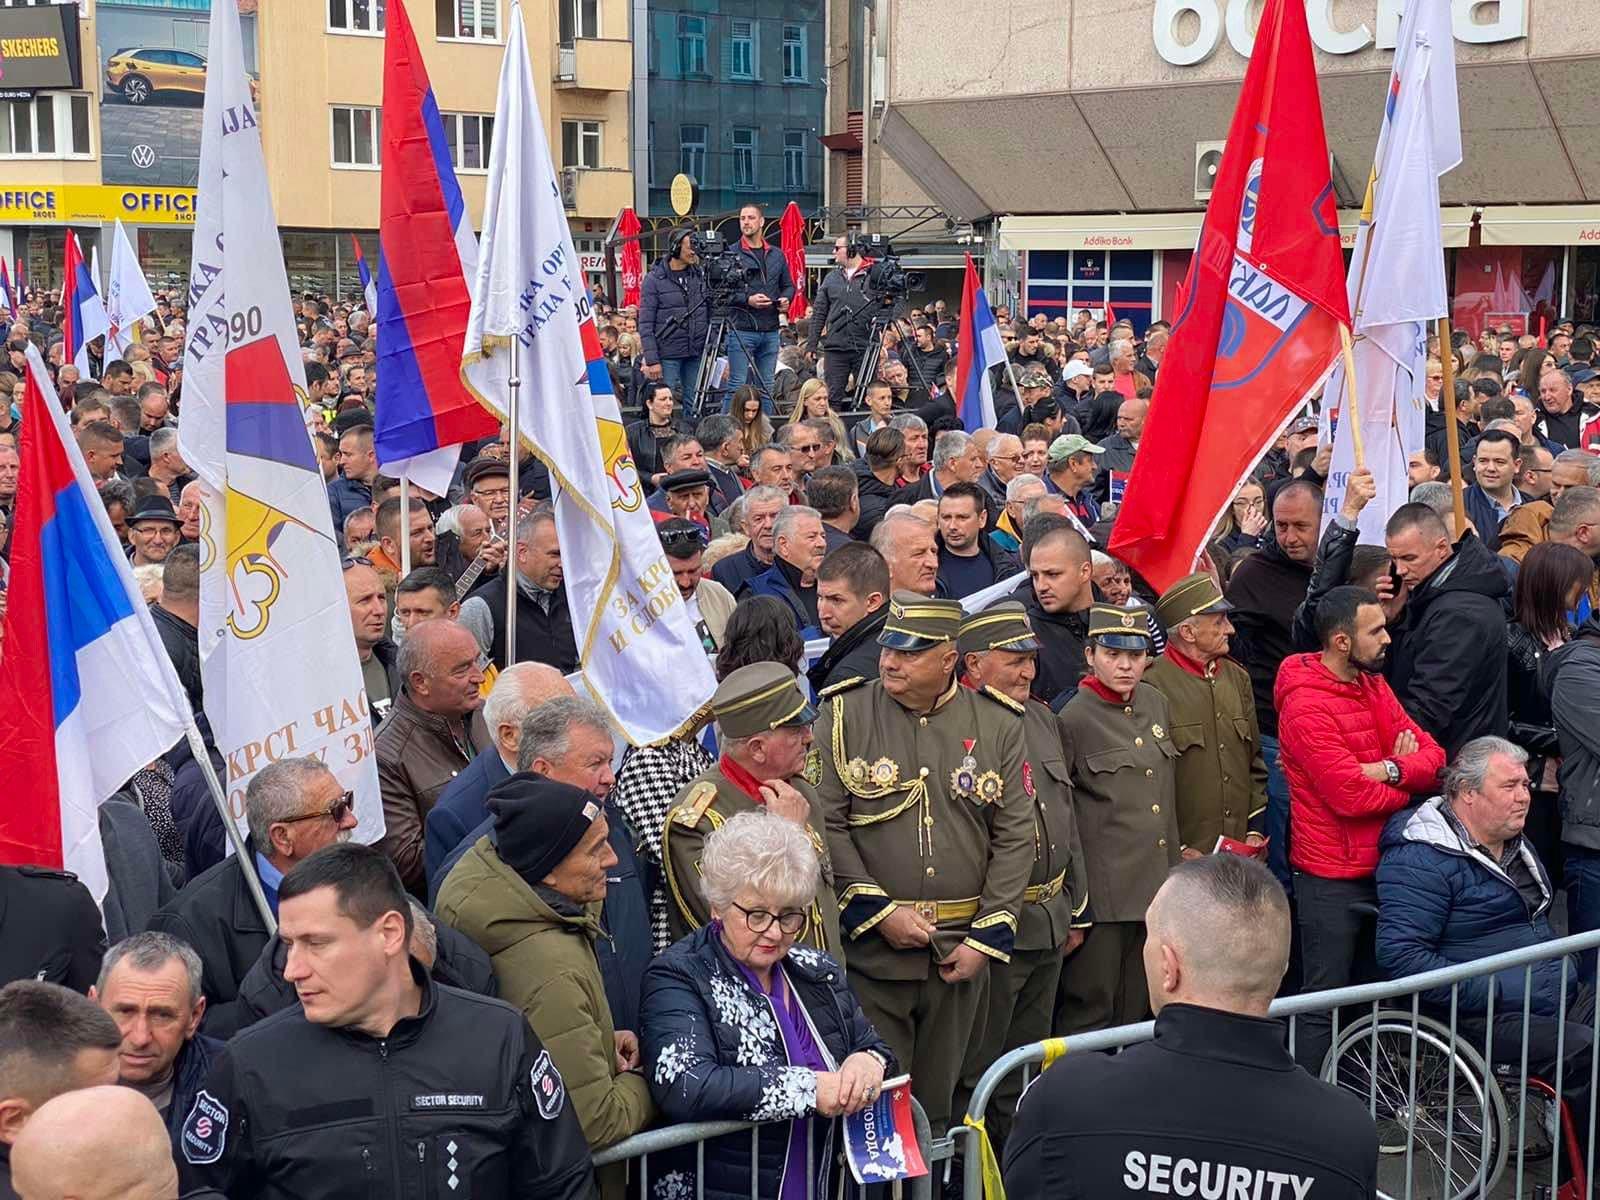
[(998, 650), (1213, 1105), (765, 720), (932, 840), (1119, 733), (49, 928), (380, 1082), (1222, 778)]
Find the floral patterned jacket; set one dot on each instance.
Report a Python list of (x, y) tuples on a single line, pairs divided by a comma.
[(712, 1051)]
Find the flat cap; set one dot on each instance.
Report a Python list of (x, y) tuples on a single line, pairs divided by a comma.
[(482, 467), (760, 698), (918, 622), (682, 481)]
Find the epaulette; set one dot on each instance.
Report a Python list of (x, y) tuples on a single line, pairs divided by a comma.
[(1001, 698), (844, 685), (694, 805), (48, 873)]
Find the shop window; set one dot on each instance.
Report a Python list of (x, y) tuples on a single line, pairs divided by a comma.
[(1060, 282), (51, 125), (1511, 287), (473, 20), (469, 136), (357, 133)]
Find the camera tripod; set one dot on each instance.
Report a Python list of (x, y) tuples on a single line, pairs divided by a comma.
[(720, 329), (867, 368)]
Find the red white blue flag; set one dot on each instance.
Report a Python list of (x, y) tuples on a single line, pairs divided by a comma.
[(978, 350), (83, 316), (880, 1141), (369, 287), (11, 296)]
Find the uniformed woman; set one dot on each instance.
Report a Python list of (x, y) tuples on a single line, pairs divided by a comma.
[(1116, 732)]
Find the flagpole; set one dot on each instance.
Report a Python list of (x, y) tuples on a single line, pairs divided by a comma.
[(405, 526), (1447, 361), (1354, 416), (241, 851), (514, 447)]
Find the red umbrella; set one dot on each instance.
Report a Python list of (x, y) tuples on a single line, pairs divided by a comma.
[(632, 257), (793, 242)]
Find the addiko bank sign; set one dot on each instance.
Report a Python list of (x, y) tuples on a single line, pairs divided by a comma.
[(66, 204), (1187, 32)]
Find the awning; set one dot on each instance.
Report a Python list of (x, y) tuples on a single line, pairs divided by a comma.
[(1541, 225), (1166, 231)]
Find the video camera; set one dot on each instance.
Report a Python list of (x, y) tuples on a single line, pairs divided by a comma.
[(725, 269), (886, 278)]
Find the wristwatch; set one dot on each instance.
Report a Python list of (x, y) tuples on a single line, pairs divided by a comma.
[(1392, 770)]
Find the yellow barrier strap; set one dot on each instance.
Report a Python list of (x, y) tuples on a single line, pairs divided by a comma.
[(993, 1187), (1054, 1048)]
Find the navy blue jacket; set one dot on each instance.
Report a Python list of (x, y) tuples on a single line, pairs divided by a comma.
[(773, 582), (625, 951), (712, 1052), (664, 297), (774, 280), (1441, 902), (460, 809), (345, 496), (189, 1072)]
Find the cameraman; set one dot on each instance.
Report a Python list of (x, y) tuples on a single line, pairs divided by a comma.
[(840, 317), (674, 317), (753, 318)]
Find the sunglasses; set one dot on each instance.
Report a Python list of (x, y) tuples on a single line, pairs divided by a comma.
[(354, 560), (343, 805), (684, 537)]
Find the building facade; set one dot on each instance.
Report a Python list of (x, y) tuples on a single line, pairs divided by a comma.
[(125, 142)]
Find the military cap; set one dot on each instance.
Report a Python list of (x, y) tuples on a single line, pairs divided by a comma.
[(1002, 626), (1305, 423), (682, 481), (760, 698), (1190, 597), (1034, 377), (482, 467), (1068, 444), (1119, 628), (918, 622)]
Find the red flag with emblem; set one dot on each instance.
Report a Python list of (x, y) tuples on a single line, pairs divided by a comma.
[(1258, 331), (792, 235)]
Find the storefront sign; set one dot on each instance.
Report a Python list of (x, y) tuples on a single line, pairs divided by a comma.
[(73, 203), (1187, 32), (39, 50)]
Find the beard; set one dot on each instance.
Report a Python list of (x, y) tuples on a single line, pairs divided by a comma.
[(1370, 666)]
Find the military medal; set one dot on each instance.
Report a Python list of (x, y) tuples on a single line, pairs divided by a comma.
[(856, 772), (1158, 731), (990, 787), (964, 779), (885, 772)]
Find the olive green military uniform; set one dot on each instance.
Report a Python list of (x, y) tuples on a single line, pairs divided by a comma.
[(928, 811), (1222, 778), (1124, 789), (754, 700)]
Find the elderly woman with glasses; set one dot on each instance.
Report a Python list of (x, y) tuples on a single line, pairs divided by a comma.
[(742, 1024)]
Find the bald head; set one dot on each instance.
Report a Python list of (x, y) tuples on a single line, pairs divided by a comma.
[(1218, 936), (101, 1143)]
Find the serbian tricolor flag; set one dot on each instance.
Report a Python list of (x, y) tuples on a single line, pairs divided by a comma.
[(427, 253), (1258, 330), (369, 287), (978, 349), (880, 1141), (83, 316), (11, 296), (88, 695)]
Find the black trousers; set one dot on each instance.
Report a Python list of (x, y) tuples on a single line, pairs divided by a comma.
[(1337, 948), (1545, 1039), (837, 367)]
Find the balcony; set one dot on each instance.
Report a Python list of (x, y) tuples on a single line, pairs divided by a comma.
[(594, 65), (596, 191)]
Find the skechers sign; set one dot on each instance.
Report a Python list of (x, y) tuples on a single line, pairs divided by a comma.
[(39, 50), (1187, 32)]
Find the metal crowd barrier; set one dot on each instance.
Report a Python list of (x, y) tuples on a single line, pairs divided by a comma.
[(638, 1149), (1457, 1116)]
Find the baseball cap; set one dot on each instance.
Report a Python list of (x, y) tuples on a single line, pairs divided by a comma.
[(1068, 444)]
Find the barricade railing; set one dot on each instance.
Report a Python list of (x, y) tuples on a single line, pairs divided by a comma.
[(638, 1150), (1460, 1094)]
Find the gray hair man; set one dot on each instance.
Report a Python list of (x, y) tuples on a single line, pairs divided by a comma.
[(293, 808), (1216, 947), (798, 545), (166, 465), (914, 457), (758, 509), (907, 544), (544, 620), (150, 983), (955, 460)]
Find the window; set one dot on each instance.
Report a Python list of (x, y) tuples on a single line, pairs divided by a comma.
[(692, 152), (580, 143), (794, 160), (469, 136), (474, 19), (51, 125), (744, 158), (794, 54), (355, 16), (356, 135), (579, 19), (742, 50), (691, 45)]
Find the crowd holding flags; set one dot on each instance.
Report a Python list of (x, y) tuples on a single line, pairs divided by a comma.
[(531, 321), (277, 654), (978, 350), (128, 297), (83, 316)]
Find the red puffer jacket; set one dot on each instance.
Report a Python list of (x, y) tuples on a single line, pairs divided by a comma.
[(1326, 729)]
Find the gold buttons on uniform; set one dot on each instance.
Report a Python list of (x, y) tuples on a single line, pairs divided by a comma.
[(922, 720), (1155, 808), (1128, 711), (923, 772), (1138, 741), (930, 872), (1149, 774), (1162, 842), (927, 820)]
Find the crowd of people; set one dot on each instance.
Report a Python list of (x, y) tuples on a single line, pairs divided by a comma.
[(957, 753)]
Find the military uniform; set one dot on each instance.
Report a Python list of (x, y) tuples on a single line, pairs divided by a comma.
[(1222, 778), (50, 928), (927, 811), (1123, 764)]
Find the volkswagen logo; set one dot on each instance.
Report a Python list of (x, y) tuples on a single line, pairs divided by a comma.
[(143, 156)]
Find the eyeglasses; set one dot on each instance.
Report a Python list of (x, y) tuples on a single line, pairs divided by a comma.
[(354, 560), (808, 448), (342, 806), (759, 920), (493, 493), (684, 537)]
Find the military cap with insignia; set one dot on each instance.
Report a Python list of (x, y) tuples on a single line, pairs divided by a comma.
[(1119, 628), (917, 622), (1002, 626), (1192, 596), (760, 698)]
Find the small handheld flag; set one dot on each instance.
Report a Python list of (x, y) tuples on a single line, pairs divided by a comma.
[(978, 350), (369, 288)]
